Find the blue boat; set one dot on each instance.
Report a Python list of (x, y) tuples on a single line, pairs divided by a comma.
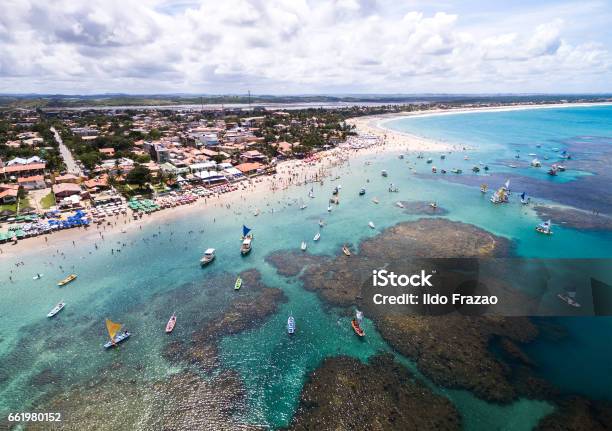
[(122, 336), (115, 336), (290, 325)]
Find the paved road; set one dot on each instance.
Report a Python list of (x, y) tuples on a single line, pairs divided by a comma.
[(71, 166)]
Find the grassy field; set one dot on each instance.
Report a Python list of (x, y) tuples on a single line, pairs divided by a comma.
[(48, 201)]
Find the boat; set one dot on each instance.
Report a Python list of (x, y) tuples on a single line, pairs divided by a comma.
[(443, 171), (545, 228), (433, 170), (512, 166), (67, 280), (335, 191), (303, 206), (37, 277), (430, 160), (569, 298), (329, 208), (486, 168), (375, 200), (362, 192), (247, 238), (517, 155), (371, 224), (442, 157), (384, 173), (476, 169), (532, 154), (357, 328), (303, 246), (483, 188), (256, 213), (238, 284), (525, 200), (346, 250), (565, 155), (536, 163), (393, 188), (401, 156), (399, 204), (321, 223), (209, 256), (290, 325), (500, 196), (114, 333), (317, 236), (553, 171), (420, 156), (434, 205), (311, 194), (59, 307), (561, 168), (456, 171), (171, 323)]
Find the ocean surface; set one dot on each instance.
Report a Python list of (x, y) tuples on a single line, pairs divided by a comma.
[(158, 268)]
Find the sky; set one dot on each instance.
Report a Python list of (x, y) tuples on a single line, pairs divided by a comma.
[(305, 46)]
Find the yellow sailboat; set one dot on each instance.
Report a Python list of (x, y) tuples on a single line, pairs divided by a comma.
[(114, 333)]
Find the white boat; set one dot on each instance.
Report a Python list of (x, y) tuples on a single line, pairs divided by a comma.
[(317, 236), (371, 224), (290, 325), (321, 223), (329, 208), (115, 336), (303, 246), (311, 194), (256, 213), (545, 228), (524, 199), (375, 200), (536, 163), (209, 256), (245, 247), (500, 196), (569, 298), (59, 307), (532, 154), (393, 188), (434, 205), (399, 204), (37, 277), (384, 173), (303, 206)]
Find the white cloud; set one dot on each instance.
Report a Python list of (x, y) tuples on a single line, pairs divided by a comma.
[(284, 46)]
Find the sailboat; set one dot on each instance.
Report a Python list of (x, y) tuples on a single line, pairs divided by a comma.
[(303, 246), (171, 323), (59, 307), (500, 196), (114, 333), (545, 228), (371, 224), (569, 298), (317, 236), (524, 200), (238, 284), (247, 237), (290, 325)]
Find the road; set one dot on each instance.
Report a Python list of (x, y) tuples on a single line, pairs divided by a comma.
[(71, 165)]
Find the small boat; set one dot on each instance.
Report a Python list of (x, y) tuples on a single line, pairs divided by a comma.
[(544, 228), (355, 324), (311, 194), (37, 277), (442, 157), (430, 160), (171, 323), (500, 196), (456, 171), (321, 223), (399, 204), (375, 200), (483, 188), (384, 173), (565, 155), (116, 337), (420, 156), (362, 192), (238, 284), (59, 307), (443, 171), (303, 246), (401, 156), (433, 170), (346, 250), (536, 163), (466, 158), (303, 206), (512, 166), (393, 188), (67, 280), (256, 213), (552, 171), (371, 224), (329, 208), (561, 168), (247, 238), (290, 325), (475, 169), (517, 156), (209, 256), (433, 205), (538, 146), (525, 200), (532, 154), (569, 298), (317, 236), (335, 191)]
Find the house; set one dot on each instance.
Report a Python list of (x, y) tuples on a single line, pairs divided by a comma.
[(8, 193), (284, 148), (97, 183), (68, 178), (252, 156), (23, 170), (110, 152), (65, 190), (34, 182), (249, 168)]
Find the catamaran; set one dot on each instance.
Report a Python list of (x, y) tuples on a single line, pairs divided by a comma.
[(346, 250), (59, 307), (545, 228), (290, 325), (569, 298), (317, 236), (303, 246), (247, 238), (209, 256), (67, 280), (238, 284), (371, 224), (171, 323), (116, 337)]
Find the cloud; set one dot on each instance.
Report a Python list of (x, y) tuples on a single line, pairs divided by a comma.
[(288, 46)]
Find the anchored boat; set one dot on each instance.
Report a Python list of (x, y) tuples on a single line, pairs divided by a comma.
[(317, 236), (362, 192), (114, 333), (399, 204), (290, 325), (238, 284), (209, 256), (545, 228), (569, 298), (247, 238), (371, 224), (303, 246), (59, 307), (67, 280), (356, 324), (346, 250), (171, 323)]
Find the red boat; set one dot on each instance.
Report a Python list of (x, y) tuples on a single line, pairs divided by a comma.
[(171, 323), (357, 328)]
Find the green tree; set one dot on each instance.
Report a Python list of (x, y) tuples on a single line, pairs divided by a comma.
[(139, 175)]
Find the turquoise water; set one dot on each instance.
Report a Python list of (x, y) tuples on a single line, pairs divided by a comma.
[(157, 272)]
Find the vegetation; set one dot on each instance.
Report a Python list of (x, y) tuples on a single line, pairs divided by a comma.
[(48, 201)]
